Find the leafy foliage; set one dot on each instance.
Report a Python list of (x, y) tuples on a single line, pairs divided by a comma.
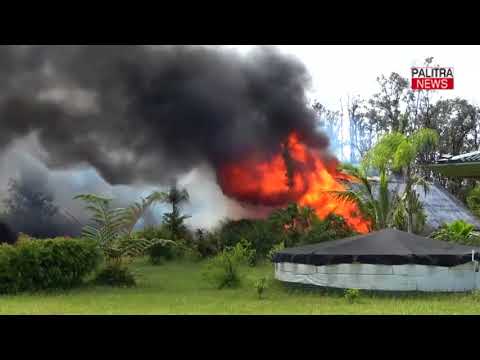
[(333, 227), (274, 250), (206, 243), (160, 252), (115, 274), (292, 222), (223, 270), (34, 265), (112, 228), (352, 295), (394, 152), (459, 232)]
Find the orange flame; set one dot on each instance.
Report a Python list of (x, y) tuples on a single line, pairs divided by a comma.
[(257, 181)]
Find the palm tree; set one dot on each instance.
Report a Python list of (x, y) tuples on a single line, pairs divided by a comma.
[(403, 160), (379, 210)]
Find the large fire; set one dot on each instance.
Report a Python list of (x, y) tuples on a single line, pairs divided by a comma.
[(296, 174)]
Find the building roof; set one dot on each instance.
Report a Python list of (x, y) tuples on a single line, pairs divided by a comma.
[(387, 247), (440, 206), (464, 165)]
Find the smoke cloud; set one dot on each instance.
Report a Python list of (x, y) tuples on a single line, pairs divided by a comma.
[(148, 115)]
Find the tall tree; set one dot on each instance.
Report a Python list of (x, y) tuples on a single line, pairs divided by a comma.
[(174, 220), (387, 106)]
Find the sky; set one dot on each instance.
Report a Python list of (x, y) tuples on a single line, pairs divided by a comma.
[(339, 71)]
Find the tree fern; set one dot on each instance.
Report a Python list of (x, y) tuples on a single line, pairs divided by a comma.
[(112, 228)]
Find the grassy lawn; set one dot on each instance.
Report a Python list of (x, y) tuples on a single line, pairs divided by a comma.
[(178, 288)]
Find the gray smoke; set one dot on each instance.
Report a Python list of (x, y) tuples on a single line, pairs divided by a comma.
[(148, 115)]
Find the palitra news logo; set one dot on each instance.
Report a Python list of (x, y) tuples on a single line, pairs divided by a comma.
[(432, 78)]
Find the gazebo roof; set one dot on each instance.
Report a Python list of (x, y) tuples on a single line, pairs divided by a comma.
[(387, 247)]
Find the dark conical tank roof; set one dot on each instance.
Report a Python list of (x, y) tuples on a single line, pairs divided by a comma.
[(388, 247)]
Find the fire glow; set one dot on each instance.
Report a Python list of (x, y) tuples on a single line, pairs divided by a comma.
[(265, 182)]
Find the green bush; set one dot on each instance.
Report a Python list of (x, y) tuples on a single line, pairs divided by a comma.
[(206, 243), (261, 234), (34, 265), (159, 253), (459, 232), (333, 227), (352, 295), (223, 270), (115, 274), (274, 250)]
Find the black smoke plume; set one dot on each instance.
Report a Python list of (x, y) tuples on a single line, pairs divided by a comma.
[(148, 114)]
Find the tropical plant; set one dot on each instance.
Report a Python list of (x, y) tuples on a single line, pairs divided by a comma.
[(393, 153), (223, 270), (158, 252), (112, 227), (459, 232), (376, 206)]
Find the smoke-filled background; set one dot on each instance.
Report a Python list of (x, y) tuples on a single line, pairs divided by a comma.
[(123, 120)]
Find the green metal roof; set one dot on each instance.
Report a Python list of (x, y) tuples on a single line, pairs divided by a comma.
[(465, 165)]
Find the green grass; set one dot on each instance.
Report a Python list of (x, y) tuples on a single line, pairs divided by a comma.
[(178, 288)]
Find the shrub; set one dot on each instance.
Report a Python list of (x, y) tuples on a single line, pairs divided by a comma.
[(274, 250), (206, 243), (459, 232), (34, 265), (222, 270), (260, 286), (333, 227), (249, 253), (115, 273), (160, 252), (352, 295), (260, 233)]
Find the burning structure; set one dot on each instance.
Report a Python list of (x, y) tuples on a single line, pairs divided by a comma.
[(146, 115)]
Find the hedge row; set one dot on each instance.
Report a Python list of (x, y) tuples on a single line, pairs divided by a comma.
[(33, 265)]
